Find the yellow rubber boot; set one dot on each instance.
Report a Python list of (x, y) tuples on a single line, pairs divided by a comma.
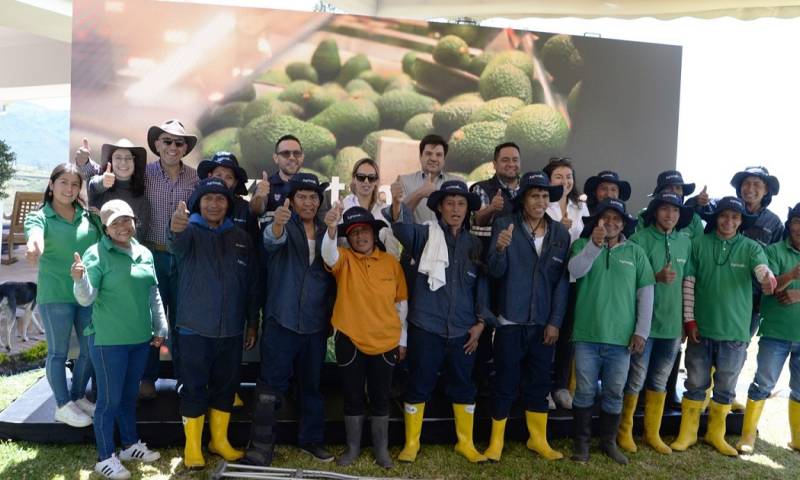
[(496, 441), (218, 424), (794, 424), (237, 401), (653, 411), (572, 383), (193, 451), (690, 421), (412, 416), (537, 436), (715, 433), (465, 415), (625, 430), (750, 425)]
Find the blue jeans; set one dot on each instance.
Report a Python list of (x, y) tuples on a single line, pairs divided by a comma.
[(772, 354), (119, 369), (652, 367), (604, 362), (727, 358), (59, 321), (427, 354), (167, 275), (286, 354), (522, 362)]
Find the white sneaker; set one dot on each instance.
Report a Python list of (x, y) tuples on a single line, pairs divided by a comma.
[(72, 416), (111, 468), (139, 452), (563, 398), (550, 404), (86, 406)]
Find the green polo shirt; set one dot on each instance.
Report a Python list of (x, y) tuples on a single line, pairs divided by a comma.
[(605, 310), (668, 302), (121, 312), (781, 321), (61, 240), (693, 230), (723, 291)]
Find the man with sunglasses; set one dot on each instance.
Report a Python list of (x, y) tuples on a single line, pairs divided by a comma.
[(272, 191)]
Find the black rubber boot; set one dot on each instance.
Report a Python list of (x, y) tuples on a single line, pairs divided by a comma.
[(262, 432), (380, 441), (608, 437), (582, 433), (353, 425)]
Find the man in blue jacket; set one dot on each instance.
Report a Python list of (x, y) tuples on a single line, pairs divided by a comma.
[(448, 310), (212, 256), (527, 256), (300, 296)]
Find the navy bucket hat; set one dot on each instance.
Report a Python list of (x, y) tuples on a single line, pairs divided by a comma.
[(672, 177), (729, 203), (454, 187), (668, 198), (609, 204), (607, 176), (228, 160), (209, 185), (306, 181), (358, 216), (537, 179), (773, 185)]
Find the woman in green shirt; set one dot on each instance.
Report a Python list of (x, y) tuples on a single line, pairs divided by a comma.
[(59, 228)]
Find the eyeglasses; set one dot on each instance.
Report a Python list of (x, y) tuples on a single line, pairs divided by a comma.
[(363, 178), (168, 142), (287, 154), (121, 159)]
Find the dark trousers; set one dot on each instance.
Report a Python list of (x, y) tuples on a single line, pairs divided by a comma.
[(565, 351), (522, 363), (286, 354), (356, 369), (427, 354), (167, 275), (210, 375)]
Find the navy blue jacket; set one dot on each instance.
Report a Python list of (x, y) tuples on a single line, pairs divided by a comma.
[(454, 308), (218, 282), (300, 296), (531, 288)]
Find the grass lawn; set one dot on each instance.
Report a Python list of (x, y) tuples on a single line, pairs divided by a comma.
[(22, 460)]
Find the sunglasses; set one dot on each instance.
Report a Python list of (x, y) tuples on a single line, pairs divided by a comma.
[(363, 178), (287, 154), (168, 142)]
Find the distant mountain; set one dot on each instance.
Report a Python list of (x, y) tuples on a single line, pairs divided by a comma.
[(39, 136)]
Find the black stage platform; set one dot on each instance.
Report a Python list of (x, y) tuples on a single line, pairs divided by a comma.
[(30, 418)]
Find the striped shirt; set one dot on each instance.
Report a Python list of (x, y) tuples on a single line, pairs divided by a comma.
[(164, 195)]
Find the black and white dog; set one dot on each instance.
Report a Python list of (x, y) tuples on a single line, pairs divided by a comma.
[(15, 295)]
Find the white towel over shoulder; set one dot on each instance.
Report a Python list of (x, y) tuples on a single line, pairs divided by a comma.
[(434, 259)]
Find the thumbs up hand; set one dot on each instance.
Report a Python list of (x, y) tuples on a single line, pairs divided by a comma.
[(84, 153), (282, 214), (504, 238), (333, 216), (78, 270), (35, 247), (108, 177), (396, 190), (599, 233), (262, 187), (497, 202), (703, 198), (180, 219), (666, 274)]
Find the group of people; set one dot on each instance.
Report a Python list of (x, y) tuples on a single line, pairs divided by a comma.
[(519, 272)]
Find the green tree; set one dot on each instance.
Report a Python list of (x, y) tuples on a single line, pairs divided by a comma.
[(7, 160)]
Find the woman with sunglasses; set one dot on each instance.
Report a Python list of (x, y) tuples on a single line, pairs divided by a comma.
[(364, 193)]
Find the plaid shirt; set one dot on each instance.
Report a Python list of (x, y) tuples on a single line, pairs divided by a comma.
[(164, 195)]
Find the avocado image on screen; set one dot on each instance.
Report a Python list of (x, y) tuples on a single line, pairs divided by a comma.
[(398, 106), (370, 143), (258, 138), (326, 61), (479, 62), (517, 58), (465, 97), (452, 116), (507, 81), (408, 62), (452, 51), (563, 61), (344, 161), (484, 171), (399, 81), (270, 106), (225, 140), (223, 116), (352, 68), (537, 129), (474, 144), (357, 84), (496, 110), (419, 125), (274, 77), (377, 81), (302, 71), (349, 120)]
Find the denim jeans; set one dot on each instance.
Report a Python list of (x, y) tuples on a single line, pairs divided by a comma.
[(59, 321), (727, 358), (604, 362), (210, 375), (427, 354), (119, 369), (522, 363), (167, 275), (651, 368), (286, 354), (772, 354)]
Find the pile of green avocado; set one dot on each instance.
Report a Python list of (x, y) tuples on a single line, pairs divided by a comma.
[(340, 110)]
